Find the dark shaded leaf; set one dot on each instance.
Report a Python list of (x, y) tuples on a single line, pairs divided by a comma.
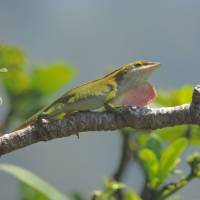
[(154, 144)]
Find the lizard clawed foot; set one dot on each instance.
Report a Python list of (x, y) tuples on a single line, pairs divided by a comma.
[(115, 109), (111, 107)]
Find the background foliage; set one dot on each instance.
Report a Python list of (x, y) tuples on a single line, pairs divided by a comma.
[(158, 153)]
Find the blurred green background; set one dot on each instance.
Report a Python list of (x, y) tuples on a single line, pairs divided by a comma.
[(89, 38)]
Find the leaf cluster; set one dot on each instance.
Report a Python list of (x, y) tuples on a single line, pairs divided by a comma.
[(28, 87)]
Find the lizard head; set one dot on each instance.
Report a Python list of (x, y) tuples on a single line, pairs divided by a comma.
[(145, 66), (141, 66), (138, 70)]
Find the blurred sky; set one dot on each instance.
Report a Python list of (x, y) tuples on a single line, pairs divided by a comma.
[(94, 36)]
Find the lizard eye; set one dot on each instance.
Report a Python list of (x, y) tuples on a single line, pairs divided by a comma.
[(138, 64)]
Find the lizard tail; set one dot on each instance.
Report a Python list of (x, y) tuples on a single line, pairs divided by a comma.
[(27, 122)]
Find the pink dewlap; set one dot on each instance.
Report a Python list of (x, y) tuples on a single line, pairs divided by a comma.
[(139, 96)]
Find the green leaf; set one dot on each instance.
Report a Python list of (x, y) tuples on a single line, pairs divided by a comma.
[(171, 133), (163, 99), (49, 79), (142, 137), (130, 195), (151, 165), (3, 70), (30, 193), (154, 144), (12, 58), (182, 95), (175, 97), (16, 83), (33, 181), (170, 157), (112, 185)]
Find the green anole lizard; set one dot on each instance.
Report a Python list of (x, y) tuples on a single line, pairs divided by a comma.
[(126, 86)]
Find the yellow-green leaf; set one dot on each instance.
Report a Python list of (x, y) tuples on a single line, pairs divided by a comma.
[(130, 195), (170, 157), (11, 58), (16, 83), (151, 162), (49, 79), (175, 97), (3, 70)]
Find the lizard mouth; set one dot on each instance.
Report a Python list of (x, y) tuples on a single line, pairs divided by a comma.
[(148, 66)]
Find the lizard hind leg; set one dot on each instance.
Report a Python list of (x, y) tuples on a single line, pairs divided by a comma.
[(41, 118), (108, 103)]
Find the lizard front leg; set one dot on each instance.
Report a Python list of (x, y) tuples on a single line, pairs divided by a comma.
[(111, 95)]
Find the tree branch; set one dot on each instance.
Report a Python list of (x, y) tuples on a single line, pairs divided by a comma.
[(139, 118)]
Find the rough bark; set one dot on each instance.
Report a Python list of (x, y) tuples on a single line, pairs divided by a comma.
[(139, 118)]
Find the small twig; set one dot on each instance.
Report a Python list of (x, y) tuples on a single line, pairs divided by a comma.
[(169, 189), (123, 162), (174, 187), (124, 158)]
